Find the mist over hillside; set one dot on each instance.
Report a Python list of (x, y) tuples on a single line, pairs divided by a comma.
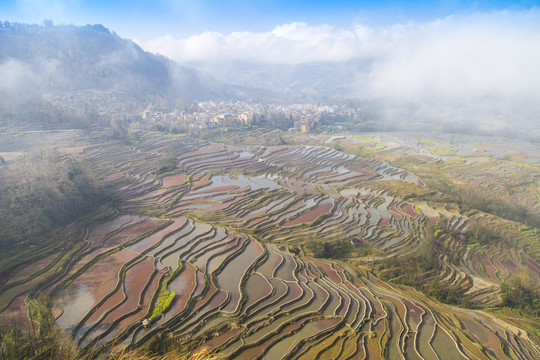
[(62, 74), (72, 58), (407, 108), (54, 74)]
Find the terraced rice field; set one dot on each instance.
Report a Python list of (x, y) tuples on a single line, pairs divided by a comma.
[(217, 255)]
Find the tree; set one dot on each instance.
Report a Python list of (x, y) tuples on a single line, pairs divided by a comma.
[(18, 342), (327, 250), (166, 163), (120, 130)]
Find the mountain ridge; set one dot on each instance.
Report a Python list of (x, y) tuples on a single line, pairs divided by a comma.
[(71, 58)]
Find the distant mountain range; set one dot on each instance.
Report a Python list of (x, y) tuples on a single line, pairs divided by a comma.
[(304, 82)]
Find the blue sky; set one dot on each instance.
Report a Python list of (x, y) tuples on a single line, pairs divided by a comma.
[(181, 18)]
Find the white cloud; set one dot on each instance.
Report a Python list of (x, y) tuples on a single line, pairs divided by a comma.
[(15, 75), (285, 44), (481, 69), (482, 55), (496, 53), (483, 65)]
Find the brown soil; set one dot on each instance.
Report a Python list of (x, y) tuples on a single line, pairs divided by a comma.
[(311, 215), (98, 231), (414, 313), (256, 351), (136, 279), (107, 305), (101, 278), (328, 270), (222, 339), (148, 242), (133, 232), (188, 276), (217, 301), (35, 267), (113, 177), (15, 315), (409, 210), (174, 180)]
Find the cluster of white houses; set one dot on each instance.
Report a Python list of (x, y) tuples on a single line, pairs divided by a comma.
[(229, 114)]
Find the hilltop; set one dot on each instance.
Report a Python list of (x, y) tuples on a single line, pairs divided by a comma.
[(74, 58)]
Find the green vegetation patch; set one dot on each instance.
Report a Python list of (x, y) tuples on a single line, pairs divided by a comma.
[(165, 297), (371, 140), (163, 302)]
